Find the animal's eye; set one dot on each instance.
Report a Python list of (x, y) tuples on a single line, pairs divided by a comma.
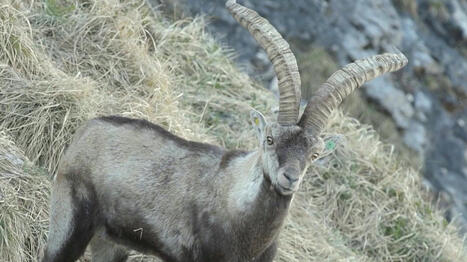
[(269, 140), (314, 156)]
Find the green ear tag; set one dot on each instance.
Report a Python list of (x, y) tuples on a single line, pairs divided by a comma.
[(330, 145), (256, 121)]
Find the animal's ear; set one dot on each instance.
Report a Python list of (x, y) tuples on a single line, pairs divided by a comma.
[(327, 146), (259, 122)]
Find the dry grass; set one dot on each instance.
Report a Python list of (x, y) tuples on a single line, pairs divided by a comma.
[(63, 62), (24, 193), (368, 206)]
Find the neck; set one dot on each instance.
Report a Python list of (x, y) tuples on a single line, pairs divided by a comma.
[(250, 184), (254, 203)]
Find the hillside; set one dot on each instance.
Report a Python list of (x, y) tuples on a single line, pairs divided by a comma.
[(63, 62)]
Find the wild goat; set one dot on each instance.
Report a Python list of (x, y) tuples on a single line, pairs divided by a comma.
[(129, 183)]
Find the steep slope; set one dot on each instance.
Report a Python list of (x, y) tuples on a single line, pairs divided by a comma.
[(63, 62)]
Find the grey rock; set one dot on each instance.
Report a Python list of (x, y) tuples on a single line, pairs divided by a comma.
[(419, 55), (392, 99), (423, 106), (422, 60), (415, 137), (365, 27), (459, 16), (423, 102), (420, 116), (453, 62), (445, 158), (445, 35)]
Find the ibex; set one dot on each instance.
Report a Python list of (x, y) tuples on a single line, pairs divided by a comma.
[(127, 183)]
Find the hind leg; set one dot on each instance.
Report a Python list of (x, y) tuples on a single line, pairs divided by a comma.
[(104, 250), (73, 219)]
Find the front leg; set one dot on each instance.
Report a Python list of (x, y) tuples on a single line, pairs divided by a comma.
[(269, 254)]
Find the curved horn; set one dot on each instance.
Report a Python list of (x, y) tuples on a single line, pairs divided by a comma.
[(281, 57), (342, 83)]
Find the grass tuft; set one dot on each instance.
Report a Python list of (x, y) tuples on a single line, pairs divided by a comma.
[(24, 193)]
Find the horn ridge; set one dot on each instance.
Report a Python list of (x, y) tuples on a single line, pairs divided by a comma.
[(281, 57), (342, 83)]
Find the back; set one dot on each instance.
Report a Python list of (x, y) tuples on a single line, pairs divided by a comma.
[(119, 175), (116, 147)]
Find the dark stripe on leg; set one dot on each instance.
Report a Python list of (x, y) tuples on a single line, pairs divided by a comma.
[(84, 223)]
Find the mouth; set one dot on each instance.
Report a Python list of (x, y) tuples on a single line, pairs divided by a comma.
[(285, 191)]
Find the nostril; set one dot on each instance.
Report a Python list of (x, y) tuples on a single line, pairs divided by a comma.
[(290, 178)]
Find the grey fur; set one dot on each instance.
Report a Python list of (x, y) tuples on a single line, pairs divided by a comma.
[(149, 190)]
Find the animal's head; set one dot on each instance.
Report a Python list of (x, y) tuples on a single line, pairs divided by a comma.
[(286, 152), (290, 144)]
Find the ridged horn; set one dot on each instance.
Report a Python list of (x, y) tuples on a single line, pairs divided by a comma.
[(342, 83), (282, 58)]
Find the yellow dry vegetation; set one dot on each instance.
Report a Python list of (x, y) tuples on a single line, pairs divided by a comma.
[(62, 62)]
